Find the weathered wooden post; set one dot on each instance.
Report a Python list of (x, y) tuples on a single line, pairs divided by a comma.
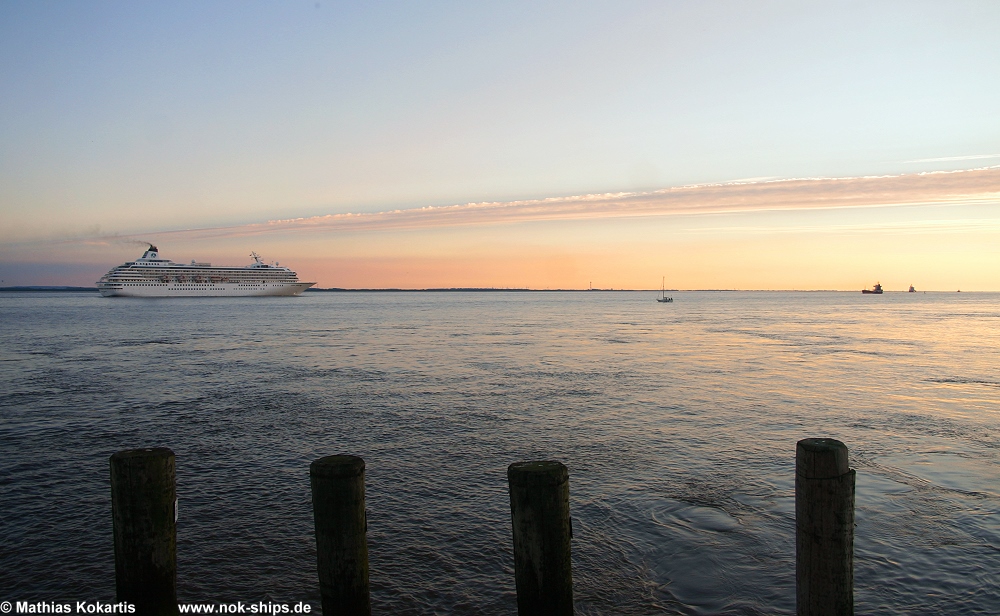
[(144, 512), (539, 511), (338, 496), (824, 523)]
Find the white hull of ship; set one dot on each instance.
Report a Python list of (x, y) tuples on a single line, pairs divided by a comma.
[(170, 289)]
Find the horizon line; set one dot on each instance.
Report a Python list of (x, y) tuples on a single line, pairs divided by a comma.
[(72, 288)]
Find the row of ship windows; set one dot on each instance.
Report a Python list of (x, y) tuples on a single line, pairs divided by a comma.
[(212, 274), (194, 272), (163, 284), (230, 280), (206, 272)]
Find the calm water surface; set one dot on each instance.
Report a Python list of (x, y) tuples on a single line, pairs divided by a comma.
[(678, 423)]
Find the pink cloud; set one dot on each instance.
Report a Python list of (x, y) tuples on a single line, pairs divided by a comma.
[(741, 196)]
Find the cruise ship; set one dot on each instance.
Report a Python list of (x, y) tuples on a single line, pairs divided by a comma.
[(151, 276)]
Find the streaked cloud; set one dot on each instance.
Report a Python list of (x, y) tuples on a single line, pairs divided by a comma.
[(933, 188), (908, 227), (945, 159)]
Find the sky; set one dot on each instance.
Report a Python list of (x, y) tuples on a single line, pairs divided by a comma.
[(765, 145)]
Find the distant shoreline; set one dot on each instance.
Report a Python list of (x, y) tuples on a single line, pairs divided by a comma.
[(492, 290), (68, 289)]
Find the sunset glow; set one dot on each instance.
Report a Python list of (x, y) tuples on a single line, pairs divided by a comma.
[(737, 149)]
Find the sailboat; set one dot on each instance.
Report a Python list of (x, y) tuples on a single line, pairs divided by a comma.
[(663, 299)]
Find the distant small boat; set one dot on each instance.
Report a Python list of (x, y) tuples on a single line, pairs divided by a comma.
[(912, 290), (877, 290), (663, 299)]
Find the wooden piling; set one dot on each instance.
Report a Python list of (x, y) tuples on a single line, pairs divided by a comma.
[(144, 513), (539, 511), (824, 522), (338, 495)]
